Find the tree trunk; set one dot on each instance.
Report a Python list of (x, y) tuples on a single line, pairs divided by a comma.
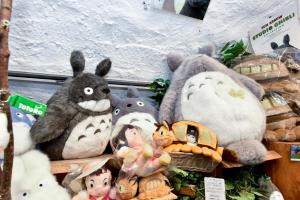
[(6, 173)]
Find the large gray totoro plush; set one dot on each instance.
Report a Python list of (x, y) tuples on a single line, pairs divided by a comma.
[(136, 111), (78, 120), (205, 91)]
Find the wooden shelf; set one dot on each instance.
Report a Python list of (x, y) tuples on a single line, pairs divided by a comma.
[(64, 166), (271, 155)]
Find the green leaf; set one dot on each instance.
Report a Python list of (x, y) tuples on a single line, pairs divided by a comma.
[(229, 185), (258, 194)]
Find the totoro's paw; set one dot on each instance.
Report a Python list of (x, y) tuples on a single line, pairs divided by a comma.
[(230, 155), (249, 152)]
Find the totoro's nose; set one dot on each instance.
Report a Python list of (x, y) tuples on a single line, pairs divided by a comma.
[(106, 90), (129, 105)]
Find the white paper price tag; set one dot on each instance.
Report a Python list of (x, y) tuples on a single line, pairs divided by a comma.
[(214, 188)]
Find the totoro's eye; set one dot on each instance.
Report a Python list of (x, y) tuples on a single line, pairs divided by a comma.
[(117, 111), (20, 115), (88, 91), (139, 103)]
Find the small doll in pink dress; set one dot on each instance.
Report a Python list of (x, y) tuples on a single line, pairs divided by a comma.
[(139, 157)]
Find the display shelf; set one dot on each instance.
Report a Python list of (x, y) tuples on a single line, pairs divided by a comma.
[(65, 166), (271, 155), (284, 172)]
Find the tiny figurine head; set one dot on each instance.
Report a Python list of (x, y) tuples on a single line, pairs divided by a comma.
[(98, 184), (126, 187), (163, 136), (128, 136), (192, 135)]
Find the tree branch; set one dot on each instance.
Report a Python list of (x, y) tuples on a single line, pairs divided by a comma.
[(6, 173)]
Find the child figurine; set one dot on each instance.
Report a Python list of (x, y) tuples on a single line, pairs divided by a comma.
[(94, 183), (139, 158)]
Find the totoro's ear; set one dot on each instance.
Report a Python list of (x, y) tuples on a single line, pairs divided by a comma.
[(77, 62), (274, 45), (286, 40), (103, 67), (115, 100), (174, 60), (209, 50), (132, 92)]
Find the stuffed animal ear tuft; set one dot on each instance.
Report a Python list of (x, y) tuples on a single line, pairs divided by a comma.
[(286, 40), (209, 50), (132, 92), (174, 60), (103, 67), (274, 45), (77, 62), (115, 100)]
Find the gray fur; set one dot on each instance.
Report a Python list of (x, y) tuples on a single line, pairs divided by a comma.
[(63, 112), (249, 152), (130, 105), (189, 67), (103, 67), (77, 62)]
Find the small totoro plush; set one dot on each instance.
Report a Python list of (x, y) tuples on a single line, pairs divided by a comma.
[(205, 91), (78, 120), (135, 111), (32, 179), (21, 123)]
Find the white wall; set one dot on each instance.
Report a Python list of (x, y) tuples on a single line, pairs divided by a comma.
[(44, 32), (228, 20)]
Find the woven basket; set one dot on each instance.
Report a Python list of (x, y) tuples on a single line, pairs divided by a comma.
[(192, 162)]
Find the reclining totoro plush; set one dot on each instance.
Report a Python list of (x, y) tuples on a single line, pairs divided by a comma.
[(78, 120), (205, 91)]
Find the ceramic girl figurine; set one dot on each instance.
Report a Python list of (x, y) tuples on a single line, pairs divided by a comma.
[(94, 183), (139, 158)]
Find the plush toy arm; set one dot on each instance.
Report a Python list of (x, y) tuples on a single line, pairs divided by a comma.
[(4, 135), (253, 86), (167, 107), (54, 122)]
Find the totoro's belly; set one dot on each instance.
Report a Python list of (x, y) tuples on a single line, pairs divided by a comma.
[(89, 137), (217, 102)]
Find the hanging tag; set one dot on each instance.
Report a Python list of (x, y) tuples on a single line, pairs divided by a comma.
[(27, 105), (214, 188)]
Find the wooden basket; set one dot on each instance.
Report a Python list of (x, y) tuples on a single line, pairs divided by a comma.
[(192, 162)]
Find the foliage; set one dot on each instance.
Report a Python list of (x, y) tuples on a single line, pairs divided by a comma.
[(232, 50), (159, 88), (240, 184)]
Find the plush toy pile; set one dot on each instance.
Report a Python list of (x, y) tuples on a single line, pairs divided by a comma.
[(209, 111)]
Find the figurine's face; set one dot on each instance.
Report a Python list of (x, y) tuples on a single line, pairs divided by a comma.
[(191, 139), (90, 92), (99, 185), (133, 137), (163, 136)]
